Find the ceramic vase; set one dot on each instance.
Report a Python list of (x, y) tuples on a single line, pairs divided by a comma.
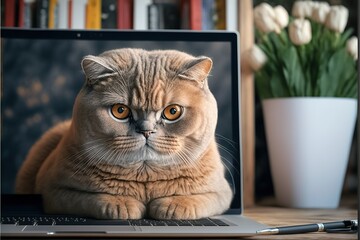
[(309, 141)]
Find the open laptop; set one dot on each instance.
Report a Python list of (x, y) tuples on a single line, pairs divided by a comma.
[(41, 76)]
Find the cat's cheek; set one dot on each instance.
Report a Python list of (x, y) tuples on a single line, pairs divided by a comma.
[(188, 125)]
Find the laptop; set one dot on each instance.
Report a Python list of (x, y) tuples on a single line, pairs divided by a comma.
[(41, 76)]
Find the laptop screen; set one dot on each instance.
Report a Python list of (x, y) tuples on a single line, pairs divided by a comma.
[(41, 76)]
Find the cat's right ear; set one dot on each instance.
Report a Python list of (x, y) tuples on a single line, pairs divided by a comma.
[(95, 68), (197, 70)]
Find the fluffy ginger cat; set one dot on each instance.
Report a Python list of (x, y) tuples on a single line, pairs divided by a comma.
[(141, 142)]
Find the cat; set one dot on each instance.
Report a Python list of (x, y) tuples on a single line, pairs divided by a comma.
[(141, 142)]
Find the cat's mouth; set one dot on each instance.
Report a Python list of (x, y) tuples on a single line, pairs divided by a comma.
[(162, 144), (130, 150)]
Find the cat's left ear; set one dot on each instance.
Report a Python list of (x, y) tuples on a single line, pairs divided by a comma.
[(96, 68), (197, 70)]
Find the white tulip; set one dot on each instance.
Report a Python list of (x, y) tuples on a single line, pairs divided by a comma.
[(352, 47), (256, 57), (265, 9), (264, 18), (281, 16), (300, 31), (337, 18), (320, 11), (315, 4), (302, 9)]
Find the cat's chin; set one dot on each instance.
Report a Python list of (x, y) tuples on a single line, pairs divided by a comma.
[(146, 155)]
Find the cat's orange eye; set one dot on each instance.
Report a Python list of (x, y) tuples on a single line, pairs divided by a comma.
[(172, 112), (120, 111)]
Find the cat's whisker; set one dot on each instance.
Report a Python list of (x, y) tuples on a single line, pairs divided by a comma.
[(231, 175), (185, 155), (227, 161), (225, 149), (95, 153), (190, 150), (87, 152), (78, 158), (99, 158), (228, 140)]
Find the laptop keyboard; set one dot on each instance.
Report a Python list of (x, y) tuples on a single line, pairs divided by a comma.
[(87, 221)]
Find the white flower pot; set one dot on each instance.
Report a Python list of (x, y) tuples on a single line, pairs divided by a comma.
[(309, 142)]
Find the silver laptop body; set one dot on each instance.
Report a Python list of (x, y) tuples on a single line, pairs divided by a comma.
[(45, 55)]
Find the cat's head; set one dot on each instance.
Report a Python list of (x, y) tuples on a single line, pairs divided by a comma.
[(145, 106)]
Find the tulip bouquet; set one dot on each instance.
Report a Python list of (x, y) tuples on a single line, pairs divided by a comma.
[(306, 54)]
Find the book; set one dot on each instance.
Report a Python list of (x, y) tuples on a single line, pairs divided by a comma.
[(42, 14), (195, 14), (220, 13), (109, 14), (93, 14), (163, 16), (10, 13), (62, 12), (191, 14), (125, 14), (52, 19), (208, 14), (232, 15), (140, 16), (21, 13), (78, 14), (154, 21), (29, 16)]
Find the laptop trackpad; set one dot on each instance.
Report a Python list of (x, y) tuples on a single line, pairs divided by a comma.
[(53, 230)]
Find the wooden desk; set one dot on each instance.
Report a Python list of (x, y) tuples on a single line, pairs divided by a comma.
[(277, 216)]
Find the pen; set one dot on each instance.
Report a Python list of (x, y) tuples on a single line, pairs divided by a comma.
[(315, 227)]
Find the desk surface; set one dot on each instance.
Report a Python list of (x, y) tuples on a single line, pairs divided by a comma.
[(277, 216)]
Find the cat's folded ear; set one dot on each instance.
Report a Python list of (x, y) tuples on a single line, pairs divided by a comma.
[(96, 68), (197, 70)]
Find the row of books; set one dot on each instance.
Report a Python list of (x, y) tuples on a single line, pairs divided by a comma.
[(120, 14)]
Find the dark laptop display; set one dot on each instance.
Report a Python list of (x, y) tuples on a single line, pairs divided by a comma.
[(41, 76)]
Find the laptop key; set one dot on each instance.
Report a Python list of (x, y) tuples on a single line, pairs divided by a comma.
[(170, 223), (140, 222), (184, 223), (219, 222), (158, 223), (203, 222), (44, 221), (26, 221), (8, 220)]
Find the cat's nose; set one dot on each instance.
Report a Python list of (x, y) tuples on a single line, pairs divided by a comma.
[(146, 128), (146, 134)]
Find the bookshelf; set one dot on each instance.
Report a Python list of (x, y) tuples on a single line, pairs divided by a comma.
[(121, 14), (229, 15)]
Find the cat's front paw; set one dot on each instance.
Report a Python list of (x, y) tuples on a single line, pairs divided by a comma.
[(177, 207), (120, 208)]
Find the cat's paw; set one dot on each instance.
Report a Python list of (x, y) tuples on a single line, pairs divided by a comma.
[(119, 208), (178, 207)]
